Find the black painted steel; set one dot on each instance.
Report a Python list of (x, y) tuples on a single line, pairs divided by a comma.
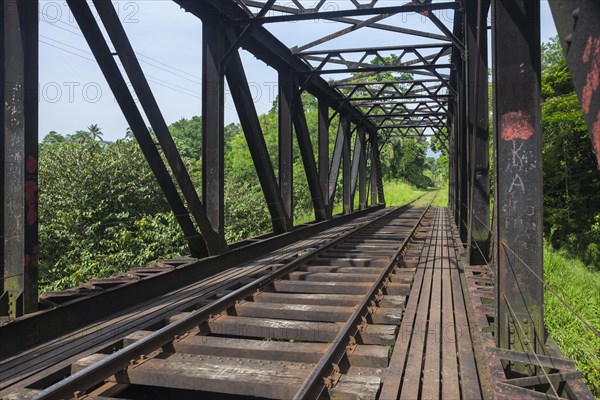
[(19, 246), (107, 64), (518, 174), (479, 184), (215, 242)]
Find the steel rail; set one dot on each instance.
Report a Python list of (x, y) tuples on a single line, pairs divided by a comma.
[(119, 360), (313, 386)]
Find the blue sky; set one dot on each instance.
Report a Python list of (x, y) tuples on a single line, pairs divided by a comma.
[(74, 94)]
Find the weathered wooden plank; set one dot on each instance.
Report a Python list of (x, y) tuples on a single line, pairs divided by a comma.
[(387, 316), (350, 262), (348, 300), (322, 287), (369, 356), (383, 335), (245, 348), (467, 369), (431, 367), (356, 387), (397, 289), (221, 374), (393, 301), (274, 328), (301, 312), (450, 382), (331, 277), (395, 371), (342, 270)]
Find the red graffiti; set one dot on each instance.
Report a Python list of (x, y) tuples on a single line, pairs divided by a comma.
[(596, 137), (31, 189), (592, 82), (516, 125), (31, 164)]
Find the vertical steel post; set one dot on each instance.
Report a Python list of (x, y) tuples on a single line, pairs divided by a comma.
[(478, 214), (518, 175), (213, 121), (348, 201), (462, 142), (323, 146), (20, 157), (362, 169), (105, 59), (286, 161), (373, 167), (242, 97), (308, 158), (336, 159)]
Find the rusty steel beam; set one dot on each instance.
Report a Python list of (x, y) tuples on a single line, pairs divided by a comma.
[(315, 184), (478, 221), (104, 57), (285, 143), (19, 248), (240, 92), (108, 14), (518, 177)]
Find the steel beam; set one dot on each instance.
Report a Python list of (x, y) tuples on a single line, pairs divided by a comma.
[(87, 22), (378, 171), (518, 177), (286, 145), (240, 92), (348, 200), (478, 221), (391, 10), (577, 25), (19, 164), (308, 159), (213, 121), (356, 23), (110, 19), (336, 159), (265, 47), (323, 134)]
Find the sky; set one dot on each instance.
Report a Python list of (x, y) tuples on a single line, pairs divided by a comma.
[(168, 43)]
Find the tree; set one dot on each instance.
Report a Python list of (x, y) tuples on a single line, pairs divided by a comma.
[(571, 180), (101, 212), (95, 132)]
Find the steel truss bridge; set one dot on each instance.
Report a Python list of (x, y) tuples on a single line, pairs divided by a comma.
[(442, 93)]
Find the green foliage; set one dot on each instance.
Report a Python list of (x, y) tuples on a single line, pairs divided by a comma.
[(406, 159), (571, 179), (99, 206), (580, 287)]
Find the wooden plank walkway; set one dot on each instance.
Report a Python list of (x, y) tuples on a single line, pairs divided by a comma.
[(433, 355)]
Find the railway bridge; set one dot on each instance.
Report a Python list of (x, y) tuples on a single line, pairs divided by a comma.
[(375, 302)]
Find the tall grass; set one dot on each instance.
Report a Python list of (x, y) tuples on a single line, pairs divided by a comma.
[(580, 287)]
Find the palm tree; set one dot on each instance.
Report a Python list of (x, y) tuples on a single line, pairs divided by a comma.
[(95, 132)]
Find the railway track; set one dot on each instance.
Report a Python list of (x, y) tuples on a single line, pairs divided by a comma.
[(320, 325)]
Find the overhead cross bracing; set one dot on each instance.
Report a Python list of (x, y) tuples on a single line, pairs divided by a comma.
[(407, 82), (370, 78)]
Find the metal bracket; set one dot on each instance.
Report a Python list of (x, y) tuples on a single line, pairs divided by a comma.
[(332, 380)]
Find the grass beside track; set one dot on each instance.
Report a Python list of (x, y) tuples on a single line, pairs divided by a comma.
[(579, 285)]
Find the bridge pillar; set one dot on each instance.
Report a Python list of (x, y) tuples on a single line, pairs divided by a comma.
[(478, 213), (18, 177), (518, 176)]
